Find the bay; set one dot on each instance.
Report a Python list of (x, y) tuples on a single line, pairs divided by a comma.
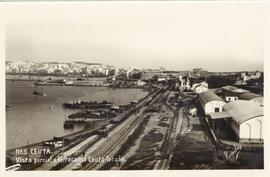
[(31, 118)]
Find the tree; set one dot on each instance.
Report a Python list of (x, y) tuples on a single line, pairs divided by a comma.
[(220, 81), (154, 79), (136, 76), (121, 76)]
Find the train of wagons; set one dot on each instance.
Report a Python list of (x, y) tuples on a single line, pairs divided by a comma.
[(104, 130)]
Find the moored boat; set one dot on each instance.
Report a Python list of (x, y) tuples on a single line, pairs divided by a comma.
[(68, 125), (39, 93), (8, 108), (87, 105)]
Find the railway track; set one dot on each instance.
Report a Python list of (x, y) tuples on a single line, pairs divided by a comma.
[(170, 139), (51, 165), (116, 145), (75, 153)]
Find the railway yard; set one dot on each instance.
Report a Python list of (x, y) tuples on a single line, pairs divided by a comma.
[(155, 133)]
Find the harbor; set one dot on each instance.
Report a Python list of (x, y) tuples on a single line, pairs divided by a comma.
[(68, 141), (38, 112), (153, 87), (166, 124)]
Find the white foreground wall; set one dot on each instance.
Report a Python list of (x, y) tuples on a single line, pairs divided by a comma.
[(251, 130), (210, 106)]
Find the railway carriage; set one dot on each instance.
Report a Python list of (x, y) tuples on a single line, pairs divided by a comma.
[(103, 132)]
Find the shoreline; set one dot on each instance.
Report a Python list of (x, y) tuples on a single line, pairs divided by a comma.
[(85, 83), (11, 153), (80, 85), (73, 133), (83, 131)]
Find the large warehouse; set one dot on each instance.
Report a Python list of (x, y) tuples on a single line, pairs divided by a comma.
[(231, 93), (246, 120), (255, 98), (210, 102)]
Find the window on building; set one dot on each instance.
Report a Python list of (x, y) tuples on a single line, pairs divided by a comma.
[(216, 109)]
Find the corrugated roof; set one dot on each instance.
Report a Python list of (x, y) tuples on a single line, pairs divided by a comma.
[(242, 110), (201, 85), (249, 96), (208, 96), (234, 89), (229, 88), (240, 90)]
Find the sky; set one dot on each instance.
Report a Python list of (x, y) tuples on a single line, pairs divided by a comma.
[(173, 35)]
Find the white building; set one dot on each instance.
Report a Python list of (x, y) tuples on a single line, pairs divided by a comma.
[(210, 102), (141, 83), (185, 84), (200, 87), (252, 97), (162, 80), (231, 97), (247, 120)]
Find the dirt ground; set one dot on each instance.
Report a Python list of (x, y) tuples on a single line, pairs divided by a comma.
[(148, 147), (194, 149), (145, 152)]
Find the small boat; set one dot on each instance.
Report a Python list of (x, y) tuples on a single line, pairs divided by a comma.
[(134, 101), (54, 143), (8, 108), (48, 143), (68, 125), (39, 83), (39, 93), (87, 104)]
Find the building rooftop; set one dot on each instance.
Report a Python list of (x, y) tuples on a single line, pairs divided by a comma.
[(249, 96), (208, 96), (242, 110), (229, 88), (234, 89)]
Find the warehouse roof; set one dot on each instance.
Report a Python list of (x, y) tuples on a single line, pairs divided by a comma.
[(242, 110), (249, 96), (208, 96), (229, 88), (234, 89), (205, 84)]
